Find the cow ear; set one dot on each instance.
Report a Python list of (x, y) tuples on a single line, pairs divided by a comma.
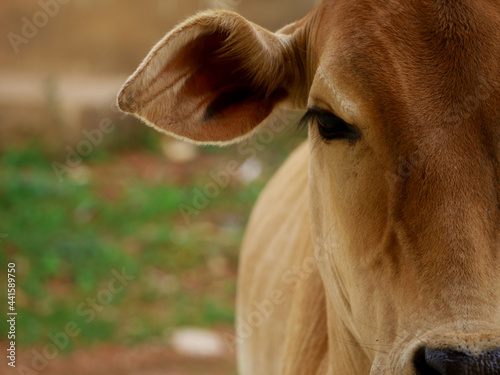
[(214, 79)]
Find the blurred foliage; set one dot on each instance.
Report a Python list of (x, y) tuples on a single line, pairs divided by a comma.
[(67, 237)]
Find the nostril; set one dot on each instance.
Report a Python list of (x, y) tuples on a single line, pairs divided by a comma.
[(421, 365), (449, 362)]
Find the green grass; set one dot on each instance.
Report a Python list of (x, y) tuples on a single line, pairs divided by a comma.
[(67, 238)]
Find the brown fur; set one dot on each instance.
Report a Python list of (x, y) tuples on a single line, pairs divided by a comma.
[(388, 244)]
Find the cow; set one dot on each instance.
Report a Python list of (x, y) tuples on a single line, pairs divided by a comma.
[(375, 249)]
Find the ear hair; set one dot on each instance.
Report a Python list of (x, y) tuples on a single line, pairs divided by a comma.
[(247, 42)]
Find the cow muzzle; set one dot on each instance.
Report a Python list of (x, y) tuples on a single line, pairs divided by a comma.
[(429, 361)]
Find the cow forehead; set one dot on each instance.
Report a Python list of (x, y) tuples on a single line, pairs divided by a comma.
[(425, 63)]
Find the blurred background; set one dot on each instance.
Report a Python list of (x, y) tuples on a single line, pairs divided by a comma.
[(124, 265)]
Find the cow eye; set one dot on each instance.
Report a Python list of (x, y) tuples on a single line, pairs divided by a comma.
[(330, 126)]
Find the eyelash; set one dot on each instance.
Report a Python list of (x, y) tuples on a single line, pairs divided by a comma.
[(330, 126)]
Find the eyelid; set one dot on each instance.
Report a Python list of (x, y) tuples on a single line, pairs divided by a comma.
[(312, 113), (320, 111)]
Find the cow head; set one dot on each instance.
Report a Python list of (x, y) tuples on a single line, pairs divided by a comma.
[(403, 109)]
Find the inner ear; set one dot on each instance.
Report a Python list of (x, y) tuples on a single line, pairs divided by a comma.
[(216, 74), (230, 97)]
